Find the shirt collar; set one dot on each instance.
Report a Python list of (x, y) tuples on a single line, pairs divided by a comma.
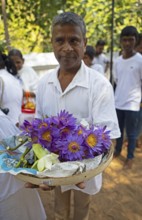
[(81, 78)]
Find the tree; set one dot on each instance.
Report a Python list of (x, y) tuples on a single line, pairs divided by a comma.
[(30, 21), (7, 38)]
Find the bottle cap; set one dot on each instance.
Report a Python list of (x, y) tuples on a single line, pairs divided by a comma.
[(28, 111)]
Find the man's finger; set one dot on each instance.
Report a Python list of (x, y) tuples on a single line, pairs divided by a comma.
[(46, 187), (81, 185), (30, 185)]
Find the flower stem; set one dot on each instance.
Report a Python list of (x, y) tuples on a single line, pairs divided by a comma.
[(22, 158), (19, 145)]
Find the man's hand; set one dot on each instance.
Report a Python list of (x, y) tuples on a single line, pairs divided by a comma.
[(81, 185), (42, 186), (45, 187)]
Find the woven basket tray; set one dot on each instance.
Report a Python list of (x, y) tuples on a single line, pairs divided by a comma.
[(74, 179)]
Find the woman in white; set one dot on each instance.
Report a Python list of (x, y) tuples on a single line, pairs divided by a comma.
[(10, 89), (26, 74), (16, 202)]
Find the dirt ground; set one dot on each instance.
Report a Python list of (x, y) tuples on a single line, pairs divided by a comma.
[(120, 197)]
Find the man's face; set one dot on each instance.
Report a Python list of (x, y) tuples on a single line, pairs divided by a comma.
[(128, 43), (68, 46), (17, 61), (99, 49), (87, 60)]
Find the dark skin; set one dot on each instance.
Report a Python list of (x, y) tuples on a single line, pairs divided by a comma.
[(68, 45), (45, 187), (128, 46), (99, 49), (87, 60), (19, 62)]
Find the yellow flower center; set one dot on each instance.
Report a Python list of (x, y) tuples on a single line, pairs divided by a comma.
[(73, 147), (47, 136), (80, 132), (43, 124), (91, 140), (65, 130)]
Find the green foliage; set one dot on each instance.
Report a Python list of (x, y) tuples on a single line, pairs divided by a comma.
[(2, 46), (29, 22)]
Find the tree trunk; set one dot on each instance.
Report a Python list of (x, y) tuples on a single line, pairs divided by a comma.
[(7, 38)]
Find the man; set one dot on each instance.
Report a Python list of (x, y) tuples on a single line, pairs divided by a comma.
[(81, 91), (100, 57), (128, 79)]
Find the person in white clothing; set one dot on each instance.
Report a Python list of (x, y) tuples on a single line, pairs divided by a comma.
[(88, 58), (128, 79), (26, 74), (10, 89), (100, 57), (81, 91), (16, 202)]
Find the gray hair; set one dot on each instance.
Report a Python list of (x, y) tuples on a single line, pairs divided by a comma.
[(70, 18)]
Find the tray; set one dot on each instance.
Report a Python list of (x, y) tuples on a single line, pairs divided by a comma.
[(74, 179)]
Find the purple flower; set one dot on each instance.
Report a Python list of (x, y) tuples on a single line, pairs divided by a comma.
[(93, 142), (39, 123), (66, 120), (45, 137), (80, 130), (62, 135), (30, 129), (71, 149), (106, 141), (26, 128)]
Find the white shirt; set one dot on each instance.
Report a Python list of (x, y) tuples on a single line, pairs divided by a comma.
[(128, 78), (98, 68), (101, 59), (89, 96), (29, 78), (8, 184), (12, 95)]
